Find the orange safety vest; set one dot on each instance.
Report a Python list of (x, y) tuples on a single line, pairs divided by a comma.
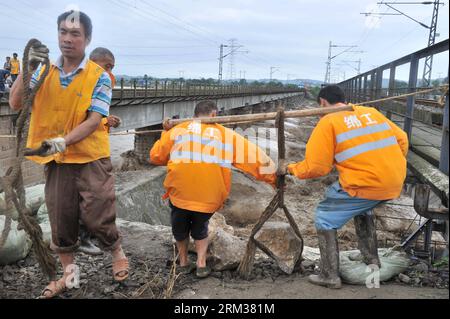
[(199, 158), (368, 150), (15, 67), (57, 111)]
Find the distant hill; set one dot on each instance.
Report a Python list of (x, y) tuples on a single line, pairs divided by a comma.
[(300, 82)]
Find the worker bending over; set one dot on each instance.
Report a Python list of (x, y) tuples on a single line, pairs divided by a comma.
[(369, 152), (199, 158)]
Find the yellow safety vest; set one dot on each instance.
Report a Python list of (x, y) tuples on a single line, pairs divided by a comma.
[(57, 111), (15, 67)]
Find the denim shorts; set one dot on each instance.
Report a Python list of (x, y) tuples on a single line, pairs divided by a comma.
[(339, 207)]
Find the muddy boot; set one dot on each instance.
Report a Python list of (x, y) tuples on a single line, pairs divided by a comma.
[(329, 260), (367, 239), (86, 244)]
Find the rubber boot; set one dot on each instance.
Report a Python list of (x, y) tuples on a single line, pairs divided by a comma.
[(367, 239), (329, 260), (86, 244)]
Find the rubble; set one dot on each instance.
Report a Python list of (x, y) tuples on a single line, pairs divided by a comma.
[(283, 243)]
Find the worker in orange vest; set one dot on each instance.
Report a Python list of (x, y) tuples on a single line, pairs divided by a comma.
[(67, 114), (199, 158), (369, 152)]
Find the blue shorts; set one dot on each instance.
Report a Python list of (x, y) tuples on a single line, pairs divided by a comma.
[(339, 207)]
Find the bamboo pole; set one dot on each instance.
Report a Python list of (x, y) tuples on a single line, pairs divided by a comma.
[(265, 116)]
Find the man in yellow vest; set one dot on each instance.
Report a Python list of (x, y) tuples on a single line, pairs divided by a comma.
[(67, 114), (15, 67), (369, 152)]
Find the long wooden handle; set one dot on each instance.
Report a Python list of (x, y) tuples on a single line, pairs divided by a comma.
[(265, 116)]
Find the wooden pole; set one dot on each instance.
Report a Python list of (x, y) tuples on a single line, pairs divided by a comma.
[(265, 116)]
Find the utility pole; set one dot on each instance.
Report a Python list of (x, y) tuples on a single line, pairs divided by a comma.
[(331, 57), (233, 47), (327, 73), (181, 72), (273, 69), (221, 57), (428, 66)]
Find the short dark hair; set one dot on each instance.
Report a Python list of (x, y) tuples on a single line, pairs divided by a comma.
[(100, 53), (205, 108), (15, 54), (84, 20), (332, 94)]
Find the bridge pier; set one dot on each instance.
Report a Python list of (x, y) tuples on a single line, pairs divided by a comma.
[(144, 142)]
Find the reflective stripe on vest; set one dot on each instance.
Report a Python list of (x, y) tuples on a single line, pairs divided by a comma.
[(204, 141), (188, 157), (351, 152), (362, 131)]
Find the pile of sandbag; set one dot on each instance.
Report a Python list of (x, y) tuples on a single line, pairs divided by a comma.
[(393, 262), (35, 198), (18, 244)]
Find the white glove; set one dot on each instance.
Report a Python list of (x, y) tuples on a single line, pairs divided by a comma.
[(37, 54), (53, 146)]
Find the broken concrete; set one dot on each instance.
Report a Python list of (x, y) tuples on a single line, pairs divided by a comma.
[(225, 252), (139, 196), (283, 243), (241, 209)]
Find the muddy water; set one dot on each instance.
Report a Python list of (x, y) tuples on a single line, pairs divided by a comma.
[(119, 145)]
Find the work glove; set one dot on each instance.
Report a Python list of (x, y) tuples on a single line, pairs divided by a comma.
[(283, 168), (53, 146), (38, 54), (114, 121)]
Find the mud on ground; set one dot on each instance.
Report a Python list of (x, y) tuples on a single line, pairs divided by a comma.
[(151, 252)]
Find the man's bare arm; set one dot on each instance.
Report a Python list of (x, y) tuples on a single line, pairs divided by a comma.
[(84, 129)]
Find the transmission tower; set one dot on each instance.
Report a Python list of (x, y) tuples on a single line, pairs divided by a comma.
[(426, 78), (431, 40)]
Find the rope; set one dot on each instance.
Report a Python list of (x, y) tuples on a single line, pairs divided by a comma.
[(13, 181)]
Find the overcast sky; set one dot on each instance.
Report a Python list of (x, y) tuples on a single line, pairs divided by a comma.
[(182, 37)]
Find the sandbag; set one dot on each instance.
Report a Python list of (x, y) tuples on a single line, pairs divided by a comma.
[(44, 222), (35, 196), (17, 245), (393, 262)]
